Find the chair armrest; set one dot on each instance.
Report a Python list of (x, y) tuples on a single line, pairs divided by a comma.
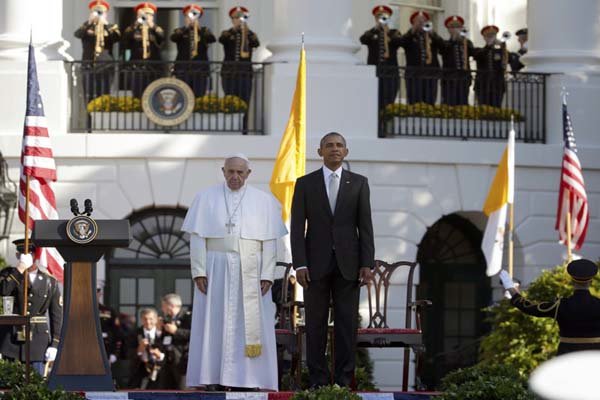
[(420, 303)]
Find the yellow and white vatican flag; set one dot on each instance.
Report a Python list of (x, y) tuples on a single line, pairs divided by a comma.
[(290, 163), (500, 196)]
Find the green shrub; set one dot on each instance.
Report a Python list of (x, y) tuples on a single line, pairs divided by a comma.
[(521, 341), (12, 377), (485, 382), (332, 392)]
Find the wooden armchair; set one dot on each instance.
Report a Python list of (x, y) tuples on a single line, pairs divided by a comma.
[(378, 333)]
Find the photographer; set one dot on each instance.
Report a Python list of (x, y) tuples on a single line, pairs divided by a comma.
[(147, 353), (176, 340)]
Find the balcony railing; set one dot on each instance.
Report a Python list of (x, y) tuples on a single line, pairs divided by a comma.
[(108, 96), (461, 104)]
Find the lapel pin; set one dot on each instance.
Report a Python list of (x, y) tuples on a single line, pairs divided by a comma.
[(347, 181)]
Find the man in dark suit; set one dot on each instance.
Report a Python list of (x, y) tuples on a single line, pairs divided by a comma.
[(147, 353), (44, 307), (333, 253)]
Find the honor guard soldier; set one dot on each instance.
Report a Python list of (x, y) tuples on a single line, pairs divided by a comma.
[(44, 306), (456, 77), (238, 43), (578, 315), (192, 41), (515, 58), (421, 45), (144, 39), (176, 325), (97, 39), (383, 43), (491, 59)]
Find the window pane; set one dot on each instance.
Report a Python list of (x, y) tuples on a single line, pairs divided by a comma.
[(451, 323), (183, 287), (127, 291), (129, 310), (146, 293)]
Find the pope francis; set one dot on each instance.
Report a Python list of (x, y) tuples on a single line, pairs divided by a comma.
[(233, 230)]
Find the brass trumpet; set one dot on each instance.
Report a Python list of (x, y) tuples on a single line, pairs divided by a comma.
[(244, 46)]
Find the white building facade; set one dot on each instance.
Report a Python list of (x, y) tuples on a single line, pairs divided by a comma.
[(418, 185)]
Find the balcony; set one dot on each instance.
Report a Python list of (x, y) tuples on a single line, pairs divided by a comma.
[(446, 104), (108, 96)]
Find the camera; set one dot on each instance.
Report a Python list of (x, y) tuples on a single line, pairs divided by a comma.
[(142, 19), (428, 26), (383, 20), (98, 13), (244, 18), (194, 14), (464, 32)]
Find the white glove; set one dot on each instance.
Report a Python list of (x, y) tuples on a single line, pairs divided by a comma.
[(506, 280), (25, 261), (112, 359), (51, 354), (507, 295)]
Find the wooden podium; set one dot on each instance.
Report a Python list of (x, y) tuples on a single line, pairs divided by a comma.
[(81, 363)]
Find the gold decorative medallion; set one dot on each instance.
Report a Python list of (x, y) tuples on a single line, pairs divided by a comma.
[(168, 101), (82, 229)]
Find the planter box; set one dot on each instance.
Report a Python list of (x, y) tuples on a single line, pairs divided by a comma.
[(450, 128), (127, 121)]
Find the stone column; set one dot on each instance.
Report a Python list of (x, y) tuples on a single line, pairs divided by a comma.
[(326, 25), (341, 94), (564, 40), (44, 20)]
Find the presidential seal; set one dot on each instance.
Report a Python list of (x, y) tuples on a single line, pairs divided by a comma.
[(82, 229), (168, 101)]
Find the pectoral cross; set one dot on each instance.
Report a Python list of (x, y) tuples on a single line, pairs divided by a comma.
[(229, 226)]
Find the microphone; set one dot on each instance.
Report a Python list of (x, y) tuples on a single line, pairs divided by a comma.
[(75, 207), (88, 207)]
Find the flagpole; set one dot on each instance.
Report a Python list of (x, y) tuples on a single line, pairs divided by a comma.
[(26, 250), (511, 216), (569, 254)]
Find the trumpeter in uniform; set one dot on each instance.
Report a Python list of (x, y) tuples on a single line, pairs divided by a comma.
[(491, 59), (456, 77), (578, 316), (143, 39), (238, 43), (97, 39), (421, 46), (515, 58), (192, 63), (382, 43), (44, 306)]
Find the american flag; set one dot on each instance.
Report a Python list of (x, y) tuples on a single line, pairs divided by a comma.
[(37, 162), (571, 197)]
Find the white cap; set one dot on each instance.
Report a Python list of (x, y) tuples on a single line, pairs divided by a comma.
[(238, 155), (572, 376)]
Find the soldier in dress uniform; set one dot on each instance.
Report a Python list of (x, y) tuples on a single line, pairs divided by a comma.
[(97, 39), (383, 44), (192, 50), (238, 43), (578, 315), (491, 59), (147, 353), (176, 325), (515, 58), (456, 77), (421, 45), (143, 39), (44, 306)]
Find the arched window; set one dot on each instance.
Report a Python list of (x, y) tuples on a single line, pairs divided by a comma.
[(157, 262), (452, 276)]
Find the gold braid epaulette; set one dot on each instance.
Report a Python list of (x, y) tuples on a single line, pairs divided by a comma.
[(538, 306)]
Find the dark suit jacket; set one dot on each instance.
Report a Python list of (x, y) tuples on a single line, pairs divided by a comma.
[(349, 230)]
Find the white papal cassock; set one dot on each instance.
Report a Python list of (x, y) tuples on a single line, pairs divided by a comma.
[(233, 238)]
